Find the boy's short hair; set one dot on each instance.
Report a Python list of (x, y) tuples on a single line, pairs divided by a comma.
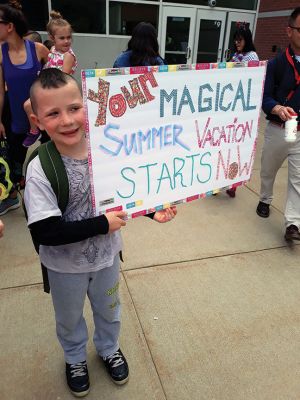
[(50, 78)]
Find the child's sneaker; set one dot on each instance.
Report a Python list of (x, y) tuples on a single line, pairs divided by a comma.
[(78, 378), (117, 367), (31, 138), (8, 205)]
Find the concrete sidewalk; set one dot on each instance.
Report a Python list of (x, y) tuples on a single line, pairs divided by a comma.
[(211, 308)]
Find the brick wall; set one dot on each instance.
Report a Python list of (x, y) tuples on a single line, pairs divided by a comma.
[(271, 32), (276, 5)]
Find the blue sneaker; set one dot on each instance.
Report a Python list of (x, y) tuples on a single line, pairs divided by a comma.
[(8, 205), (117, 367), (78, 378)]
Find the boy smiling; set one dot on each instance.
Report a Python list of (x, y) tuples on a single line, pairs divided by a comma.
[(80, 251)]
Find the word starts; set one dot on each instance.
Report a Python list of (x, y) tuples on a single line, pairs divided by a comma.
[(117, 103)]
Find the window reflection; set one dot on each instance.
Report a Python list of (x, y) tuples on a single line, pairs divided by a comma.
[(38, 19), (123, 17), (84, 16)]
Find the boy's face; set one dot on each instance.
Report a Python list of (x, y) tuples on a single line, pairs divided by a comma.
[(60, 113)]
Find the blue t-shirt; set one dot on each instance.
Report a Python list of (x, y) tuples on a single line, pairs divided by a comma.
[(123, 60)]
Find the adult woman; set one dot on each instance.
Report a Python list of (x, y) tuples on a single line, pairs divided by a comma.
[(244, 51), (142, 48), (243, 45), (20, 63)]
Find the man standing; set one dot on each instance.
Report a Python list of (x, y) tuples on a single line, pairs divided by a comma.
[(280, 101)]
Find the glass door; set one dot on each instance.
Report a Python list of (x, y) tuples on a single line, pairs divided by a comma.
[(209, 36), (233, 18), (177, 35)]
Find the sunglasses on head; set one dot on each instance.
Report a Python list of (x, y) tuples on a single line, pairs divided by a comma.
[(3, 22)]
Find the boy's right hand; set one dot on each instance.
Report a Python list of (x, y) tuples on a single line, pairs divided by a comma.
[(116, 219)]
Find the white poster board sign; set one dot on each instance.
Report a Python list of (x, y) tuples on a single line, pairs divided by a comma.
[(168, 134)]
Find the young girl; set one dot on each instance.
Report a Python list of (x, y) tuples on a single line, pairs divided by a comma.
[(244, 51), (61, 56)]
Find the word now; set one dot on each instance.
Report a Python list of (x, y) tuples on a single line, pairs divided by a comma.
[(118, 102)]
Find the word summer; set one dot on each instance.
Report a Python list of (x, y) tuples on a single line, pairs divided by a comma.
[(207, 98), (139, 142)]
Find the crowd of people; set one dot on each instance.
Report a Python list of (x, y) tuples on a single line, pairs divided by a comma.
[(39, 97)]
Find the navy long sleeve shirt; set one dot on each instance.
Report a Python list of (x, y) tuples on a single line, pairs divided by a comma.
[(280, 80)]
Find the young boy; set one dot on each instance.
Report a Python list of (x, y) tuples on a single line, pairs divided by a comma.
[(81, 252)]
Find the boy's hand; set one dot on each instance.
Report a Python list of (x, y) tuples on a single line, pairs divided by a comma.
[(165, 215), (116, 220)]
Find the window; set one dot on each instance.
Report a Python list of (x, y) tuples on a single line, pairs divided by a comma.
[(239, 4), (123, 17), (243, 5), (38, 19), (84, 16)]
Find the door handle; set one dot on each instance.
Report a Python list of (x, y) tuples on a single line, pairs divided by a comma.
[(227, 54), (188, 53)]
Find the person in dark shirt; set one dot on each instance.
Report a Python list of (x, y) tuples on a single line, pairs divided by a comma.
[(142, 48)]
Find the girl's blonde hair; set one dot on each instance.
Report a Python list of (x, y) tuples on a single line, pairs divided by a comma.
[(56, 21)]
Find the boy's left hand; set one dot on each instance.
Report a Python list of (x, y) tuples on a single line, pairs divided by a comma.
[(165, 215)]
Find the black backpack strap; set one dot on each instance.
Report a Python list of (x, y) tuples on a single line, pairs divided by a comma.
[(55, 172)]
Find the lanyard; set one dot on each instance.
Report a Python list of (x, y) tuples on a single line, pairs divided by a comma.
[(297, 75)]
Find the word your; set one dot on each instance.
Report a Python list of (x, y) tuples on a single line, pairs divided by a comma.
[(138, 142), (206, 102), (118, 103), (232, 133)]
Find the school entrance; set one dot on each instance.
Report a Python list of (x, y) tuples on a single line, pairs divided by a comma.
[(191, 35)]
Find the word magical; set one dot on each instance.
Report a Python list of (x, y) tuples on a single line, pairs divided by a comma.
[(208, 98)]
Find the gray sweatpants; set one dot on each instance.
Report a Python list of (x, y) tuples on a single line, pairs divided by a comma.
[(275, 151), (68, 295)]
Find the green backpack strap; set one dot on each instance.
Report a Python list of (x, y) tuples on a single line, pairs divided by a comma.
[(55, 172)]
